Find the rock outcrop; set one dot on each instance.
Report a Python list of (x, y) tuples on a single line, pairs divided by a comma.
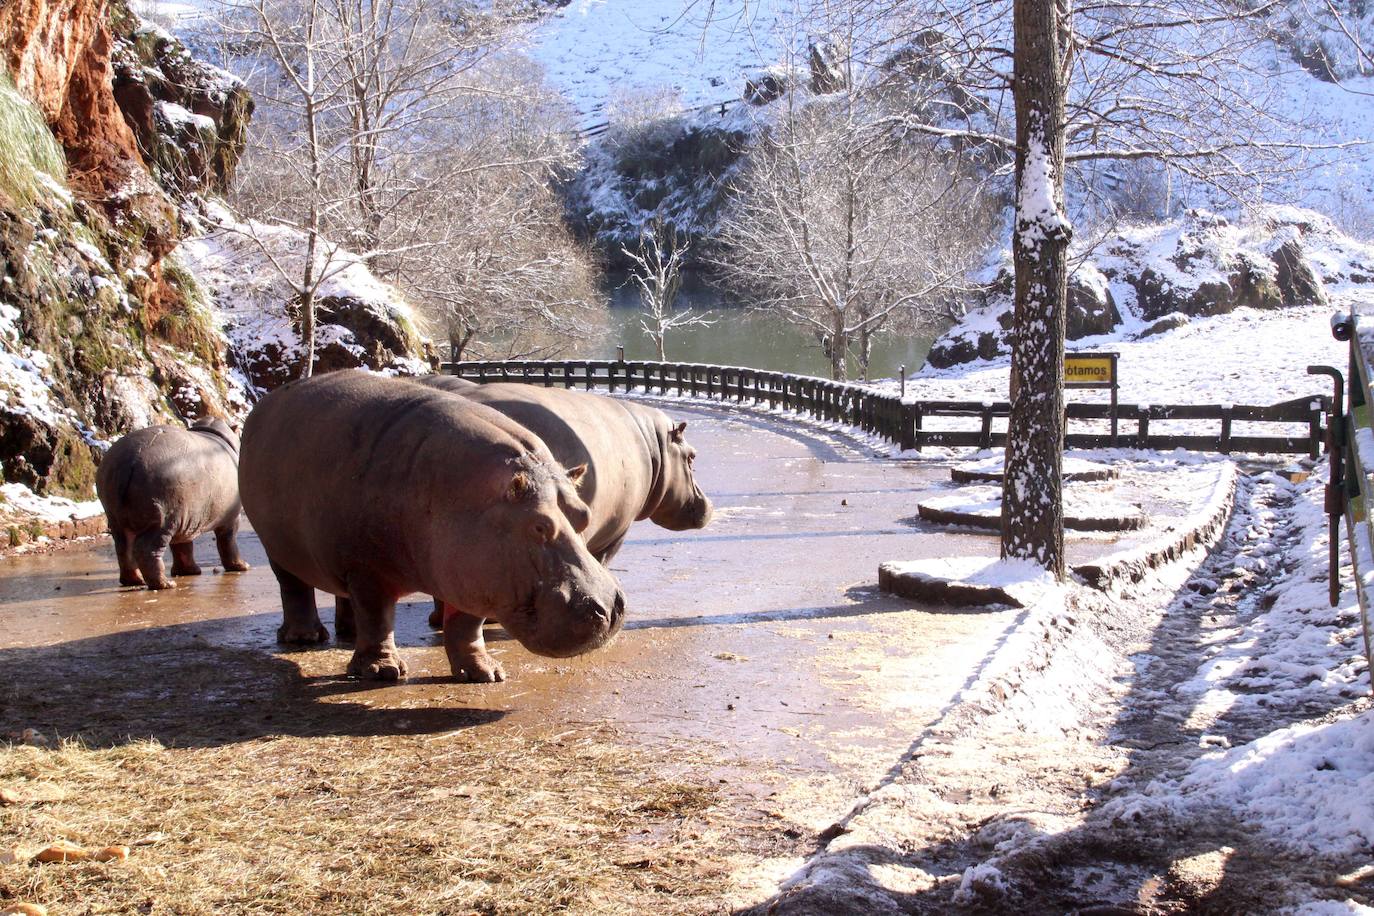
[(1158, 277), (111, 135), (673, 171)]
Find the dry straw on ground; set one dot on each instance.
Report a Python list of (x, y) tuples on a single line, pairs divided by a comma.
[(422, 824)]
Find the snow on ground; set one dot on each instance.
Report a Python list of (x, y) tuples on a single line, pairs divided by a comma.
[(1294, 784), (46, 508), (1250, 356)]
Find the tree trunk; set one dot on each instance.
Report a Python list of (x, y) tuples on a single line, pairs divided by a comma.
[(839, 345), (658, 343), (1032, 498), (865, 350), (308, 331)]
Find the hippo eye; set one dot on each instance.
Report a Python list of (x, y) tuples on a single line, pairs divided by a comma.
[(542, 530)]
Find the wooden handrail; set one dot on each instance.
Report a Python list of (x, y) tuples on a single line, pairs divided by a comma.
[(906, 422)]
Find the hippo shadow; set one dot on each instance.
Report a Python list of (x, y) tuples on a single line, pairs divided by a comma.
[(188, 685)]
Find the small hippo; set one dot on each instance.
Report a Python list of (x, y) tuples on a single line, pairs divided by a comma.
[(165, 485), (639, 466), (371, 488)]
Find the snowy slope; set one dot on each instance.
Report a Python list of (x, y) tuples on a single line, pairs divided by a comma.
[(594, 50)]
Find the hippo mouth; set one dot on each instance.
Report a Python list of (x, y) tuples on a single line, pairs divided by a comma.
[(576, 628)]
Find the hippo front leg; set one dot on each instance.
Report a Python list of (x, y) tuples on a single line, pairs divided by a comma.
[(124, 554), (467, 649), (148, 548), (300, 621), (184, 559), (226, 542), (436, 616), (374, 618)]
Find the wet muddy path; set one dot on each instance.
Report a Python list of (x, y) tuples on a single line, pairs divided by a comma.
[(758, 646)]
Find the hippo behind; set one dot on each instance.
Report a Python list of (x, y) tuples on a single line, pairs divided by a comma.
[(164, 485), (372, 488), (639, 466)]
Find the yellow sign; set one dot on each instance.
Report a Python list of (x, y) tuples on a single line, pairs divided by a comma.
[(1088, 370)]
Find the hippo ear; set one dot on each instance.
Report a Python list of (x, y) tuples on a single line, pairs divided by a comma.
[(577, 475), (519, 488), (675, 433)]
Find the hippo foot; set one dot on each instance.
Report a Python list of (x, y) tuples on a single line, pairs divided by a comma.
[(237, 566), (376, 666), (476, 668), (296, 635), (186, 570), (132, 579), (157, 585), (436, 619)]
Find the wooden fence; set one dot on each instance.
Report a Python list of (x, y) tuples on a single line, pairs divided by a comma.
[(916, 424)]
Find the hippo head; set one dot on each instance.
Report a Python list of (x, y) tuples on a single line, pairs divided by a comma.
[(681, 504), (214, 426), (564, 602)]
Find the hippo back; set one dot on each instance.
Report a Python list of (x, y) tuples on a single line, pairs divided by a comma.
[(168, 476), (348, 465), (635, 468)]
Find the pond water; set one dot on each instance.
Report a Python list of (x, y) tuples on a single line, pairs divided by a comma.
[(741, 336)]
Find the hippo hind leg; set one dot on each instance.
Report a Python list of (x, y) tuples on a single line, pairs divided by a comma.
[(466, 648), (226, 542), (375, 656), (300, 621), (148, 547), (184, 559), (345, 629), (129, 573)]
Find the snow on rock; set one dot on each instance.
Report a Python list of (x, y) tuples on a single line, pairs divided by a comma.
[(46, 508), (362, 321), (1199, 265), (1250, 356)]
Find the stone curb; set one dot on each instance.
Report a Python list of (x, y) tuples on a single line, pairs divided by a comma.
[(1128, 567), (994, 523), (933, 590), (958, 475), (1121, 568)]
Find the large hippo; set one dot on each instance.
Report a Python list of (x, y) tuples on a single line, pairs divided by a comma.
[(165, 485), (371, 488), (639, 465)]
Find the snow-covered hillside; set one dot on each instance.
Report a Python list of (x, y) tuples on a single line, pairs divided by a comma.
[(597, 50)]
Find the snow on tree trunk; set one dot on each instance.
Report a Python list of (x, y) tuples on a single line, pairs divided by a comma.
[(1032, 501)]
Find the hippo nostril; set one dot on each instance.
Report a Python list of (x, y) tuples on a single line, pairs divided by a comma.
[(618, 610)]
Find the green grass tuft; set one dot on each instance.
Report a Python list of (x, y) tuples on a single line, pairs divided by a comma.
[(27, 147)]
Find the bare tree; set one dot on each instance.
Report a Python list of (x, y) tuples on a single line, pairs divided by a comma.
[(1178, 82), (438, 154), (303, 53), (657, 273), (844, 227)]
